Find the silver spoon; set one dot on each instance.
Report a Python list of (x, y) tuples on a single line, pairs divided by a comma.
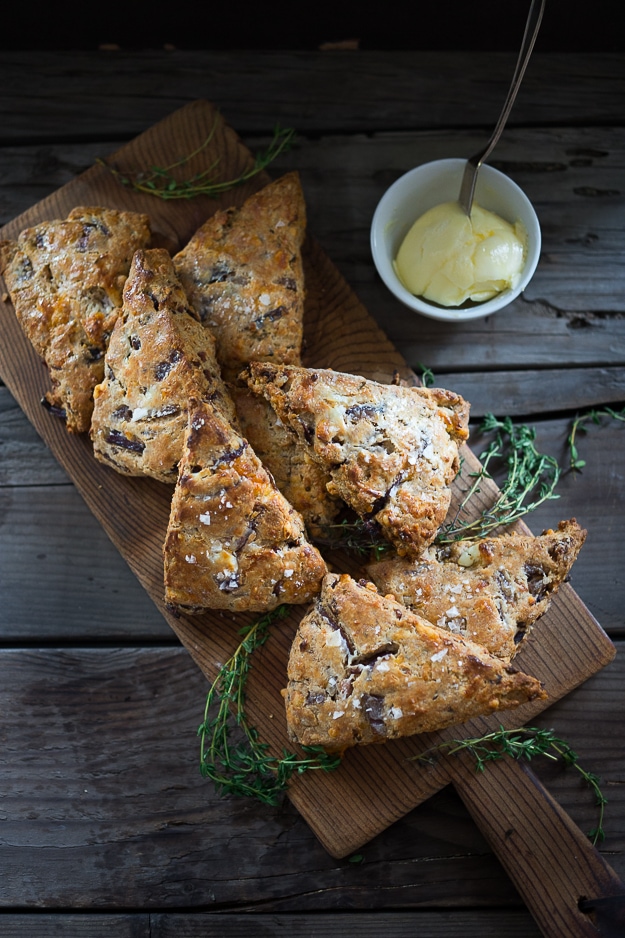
[(467, 189)]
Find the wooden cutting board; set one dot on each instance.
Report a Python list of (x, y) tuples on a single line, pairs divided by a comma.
[(377, 784)]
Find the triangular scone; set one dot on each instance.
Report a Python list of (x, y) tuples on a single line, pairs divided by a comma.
[(296, 473), (159, 357), (66, 279), (392, 452), (490, 591), (242, 271), (233, 540), (364, 669)]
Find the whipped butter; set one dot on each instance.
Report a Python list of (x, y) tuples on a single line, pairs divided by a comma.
[(448, 257)]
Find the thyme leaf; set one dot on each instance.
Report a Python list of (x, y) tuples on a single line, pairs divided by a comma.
[(530, 480), (232, 755), (164, 183), (524, 743), (580, 425)]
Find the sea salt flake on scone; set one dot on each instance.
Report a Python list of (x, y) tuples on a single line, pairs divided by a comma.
[(233, 541), (391, 451), (295, 471), (65, 279), (364, 669), (242, 271), (159, 357), (491, 590)]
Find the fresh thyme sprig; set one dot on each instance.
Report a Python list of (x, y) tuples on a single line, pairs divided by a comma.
[(427, 376), (524, 743), (531, 479), (244, 766), (580, 425), (163, 182)]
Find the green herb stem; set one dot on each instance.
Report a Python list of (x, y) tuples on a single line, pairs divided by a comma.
[(530, 480), (160, 181), (231, 753), (427, 376), (524, 743), (580, 425)]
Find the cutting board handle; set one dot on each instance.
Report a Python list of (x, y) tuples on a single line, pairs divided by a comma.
[(551, 862)]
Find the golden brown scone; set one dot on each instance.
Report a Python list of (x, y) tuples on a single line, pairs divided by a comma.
[(391, 451), (364, 669), (296, 473), (159, 357), (490, 591), (65, 279), (242, 271), (233, 540)]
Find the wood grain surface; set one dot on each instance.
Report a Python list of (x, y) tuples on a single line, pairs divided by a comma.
[(205, 925), (551, 861), (374, 786), (340, 93)]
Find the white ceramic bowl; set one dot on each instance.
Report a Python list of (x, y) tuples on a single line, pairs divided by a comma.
[(426, 186)]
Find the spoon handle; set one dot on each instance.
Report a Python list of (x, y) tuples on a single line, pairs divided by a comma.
[(532, 26)]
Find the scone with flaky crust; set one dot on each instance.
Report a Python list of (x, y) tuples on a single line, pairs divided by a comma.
[(233, 540), (391, 451), (159, 356), (296, 473), (364, 669), (490, 591), (242, 271), (65, 279)]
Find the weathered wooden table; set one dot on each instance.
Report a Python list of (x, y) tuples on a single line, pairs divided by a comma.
[(106, 826)]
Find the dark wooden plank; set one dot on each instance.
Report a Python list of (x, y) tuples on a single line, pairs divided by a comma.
[(30, 173), (64, 573), (598, 743), (41, 925), (24, 458), (104, 806), (524, 335), (533, 392), (52, 94), (465, 924), (67, 580), (461, 923)]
